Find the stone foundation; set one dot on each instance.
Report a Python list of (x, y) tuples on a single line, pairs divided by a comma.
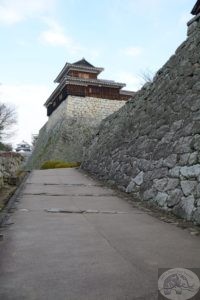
[(70, 128)]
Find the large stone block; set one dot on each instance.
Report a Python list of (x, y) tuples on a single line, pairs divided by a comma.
[(196, 142), (174, 197), (185, 207), (175, 172), (170, 161), (172, 184), (139, 178), (188, 186), (183, 145), (131, 187), (161, 198), (149, 194), (183, 159), (193, 158), (197, 191), (190, 171), (196, 216), (160, 184)]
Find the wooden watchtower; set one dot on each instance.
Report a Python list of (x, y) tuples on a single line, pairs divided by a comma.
[(81, 79)]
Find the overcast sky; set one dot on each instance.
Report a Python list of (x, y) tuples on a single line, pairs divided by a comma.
[(37, 37)]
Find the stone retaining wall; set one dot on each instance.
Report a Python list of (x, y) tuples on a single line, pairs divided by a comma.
[(70, 128), (86, 108), (10, 163), (151, 146)]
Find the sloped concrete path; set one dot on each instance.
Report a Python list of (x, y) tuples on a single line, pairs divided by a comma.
[(110, 252)]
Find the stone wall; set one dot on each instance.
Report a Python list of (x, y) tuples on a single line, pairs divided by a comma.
[(70, 128), (88, 108), (151, 146), (92, 108), (10, 163)]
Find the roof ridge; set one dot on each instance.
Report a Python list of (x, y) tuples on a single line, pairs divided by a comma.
[(83, 62)]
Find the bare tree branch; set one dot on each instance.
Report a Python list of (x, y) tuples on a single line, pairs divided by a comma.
[(7, 119), (146, 76)]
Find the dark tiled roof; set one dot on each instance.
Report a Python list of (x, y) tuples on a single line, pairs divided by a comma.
[(128, 93), (196, 8), (83, 62), (78, 80)]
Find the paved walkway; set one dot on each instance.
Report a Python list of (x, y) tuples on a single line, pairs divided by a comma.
[(110, 252)]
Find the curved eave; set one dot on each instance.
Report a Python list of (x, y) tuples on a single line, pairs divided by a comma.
[(82, 82), (99, 82), (127, 93), (69, 67), (55, 92), (196, 8)]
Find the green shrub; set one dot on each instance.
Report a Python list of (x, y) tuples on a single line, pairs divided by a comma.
[(51, 164)]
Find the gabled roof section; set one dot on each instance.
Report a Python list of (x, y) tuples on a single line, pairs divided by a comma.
[(196, 8), (81, 65), (83, 62)]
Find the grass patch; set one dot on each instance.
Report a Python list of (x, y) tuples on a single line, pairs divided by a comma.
[(51, 164)]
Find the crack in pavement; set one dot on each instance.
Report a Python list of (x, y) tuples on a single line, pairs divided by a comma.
[(65, 184), (71, 195), (80, 211)]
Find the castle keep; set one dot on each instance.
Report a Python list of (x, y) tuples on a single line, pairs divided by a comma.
[(80, 79), (75, 109)]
